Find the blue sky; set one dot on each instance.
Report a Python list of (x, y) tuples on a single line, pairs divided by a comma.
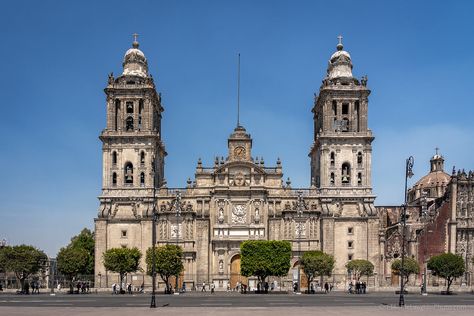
[(56, 55)]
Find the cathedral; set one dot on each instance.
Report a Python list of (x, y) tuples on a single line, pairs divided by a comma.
[(241, 197)]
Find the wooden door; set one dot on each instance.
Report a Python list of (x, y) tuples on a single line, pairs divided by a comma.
[(235, 276)]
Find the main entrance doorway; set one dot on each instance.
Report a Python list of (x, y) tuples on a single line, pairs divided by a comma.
[(304, 279), (235, 276)]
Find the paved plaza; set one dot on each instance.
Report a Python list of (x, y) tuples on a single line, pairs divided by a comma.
[(254, 311), (228, 304)]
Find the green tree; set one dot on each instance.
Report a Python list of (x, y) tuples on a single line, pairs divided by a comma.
[(317, 263), (263, 258), (410, 266), (360, 267), (122, 261), (2, 260), (168, 262), (72, 262), (448, 266), (23, 260), (85, 240)]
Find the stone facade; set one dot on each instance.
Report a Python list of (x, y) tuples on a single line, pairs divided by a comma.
[(241, 197), (440, 220)]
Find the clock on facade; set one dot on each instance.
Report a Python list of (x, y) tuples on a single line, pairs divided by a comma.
[(239, 152)]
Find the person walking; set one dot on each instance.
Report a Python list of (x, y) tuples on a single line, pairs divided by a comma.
[(326, 287), (212, 288), (203, 287)]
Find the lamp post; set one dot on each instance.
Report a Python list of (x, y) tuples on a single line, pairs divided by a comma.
[(100, 280), (425, 262), (51, 276), (178, 214), (153, 239), (299, 216), (408, 174)]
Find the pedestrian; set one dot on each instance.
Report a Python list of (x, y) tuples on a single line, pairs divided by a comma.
[(357, 287), (203, 287), (114, 288), (266, 287), (364, 287), (129, 288), (295, 287), (312, 288), (26, 289), (326, 287), (350, 288), (59, 287), (212, 287)]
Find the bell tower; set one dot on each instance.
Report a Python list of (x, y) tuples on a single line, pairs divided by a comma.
[(131, 141), (342, 151)]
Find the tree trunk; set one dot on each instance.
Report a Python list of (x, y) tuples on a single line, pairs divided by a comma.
[(450, 280), (167, 283), (121, 282)]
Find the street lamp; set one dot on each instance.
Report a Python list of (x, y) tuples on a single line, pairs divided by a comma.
[(299, 216), (424, 210), (178, 214), (153, 241), (408, 174), (51, 276)]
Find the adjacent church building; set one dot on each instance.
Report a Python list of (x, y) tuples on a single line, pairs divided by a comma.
[(241, 197)]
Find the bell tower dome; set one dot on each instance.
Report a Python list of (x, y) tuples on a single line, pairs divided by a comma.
[(132, 137), (341, 155)]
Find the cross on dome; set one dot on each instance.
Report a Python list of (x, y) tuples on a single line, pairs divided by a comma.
[(339, 45), (135, 42)]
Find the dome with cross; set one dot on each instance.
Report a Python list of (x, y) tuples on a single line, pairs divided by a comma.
[(340, 63), (134, 61)]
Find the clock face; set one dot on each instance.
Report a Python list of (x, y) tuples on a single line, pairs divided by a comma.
[(239, 152)]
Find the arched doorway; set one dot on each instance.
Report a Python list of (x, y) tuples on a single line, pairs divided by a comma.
[(180, 281), (303, 278), (235, 276)]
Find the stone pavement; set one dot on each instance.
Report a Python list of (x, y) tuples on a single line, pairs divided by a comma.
[(432, 310)]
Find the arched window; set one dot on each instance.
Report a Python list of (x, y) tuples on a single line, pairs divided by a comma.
[(346, 173), (114, 157), (359, 159), (331, 179), (114, 179), (357, 115), (345, 125), (333, 158), (129, 124), (129, 107), (117, 114), (142, 179), (142, 158), (359, 178), (128, 173), (334, 108), (140, 110)]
